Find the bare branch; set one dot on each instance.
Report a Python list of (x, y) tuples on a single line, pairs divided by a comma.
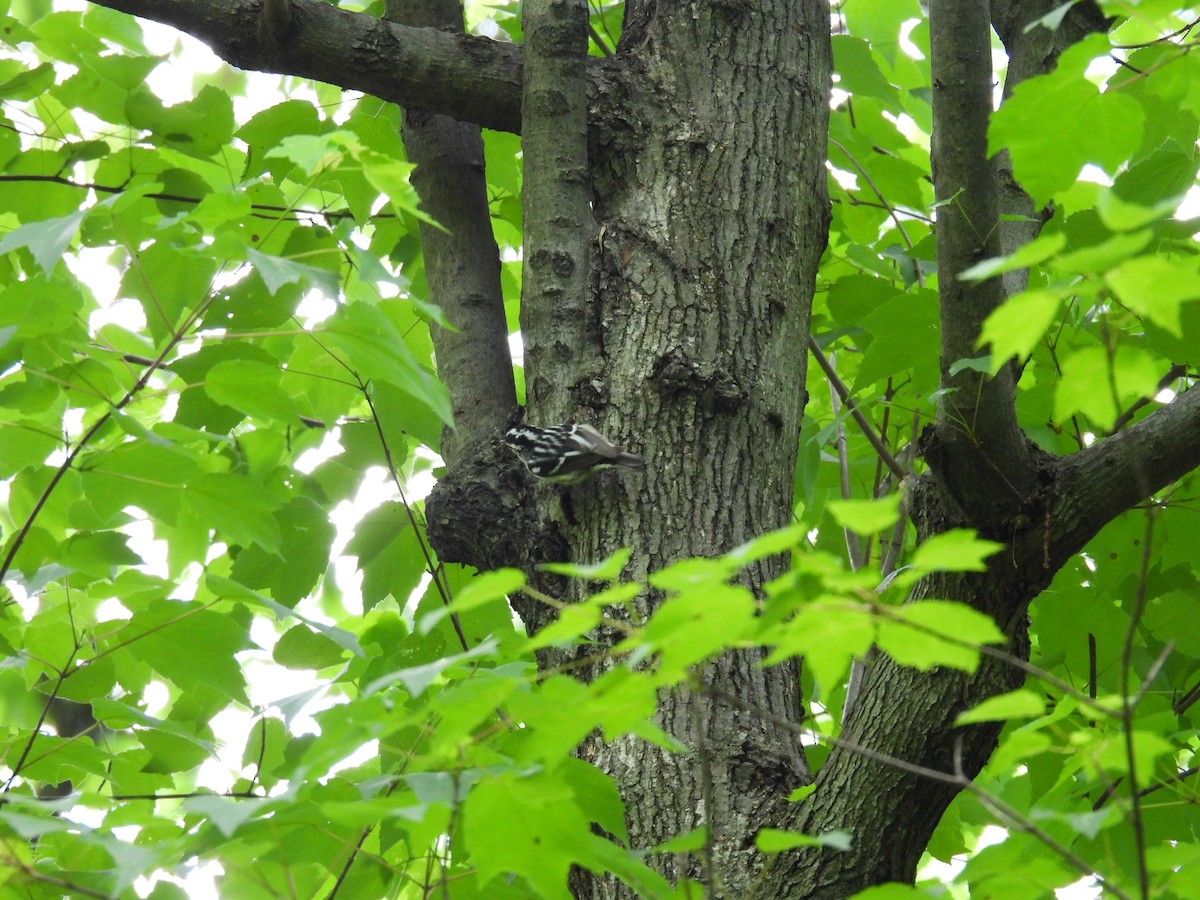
[(868, 430)]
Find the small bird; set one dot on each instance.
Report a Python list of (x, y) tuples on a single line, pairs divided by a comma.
[(567, 454)]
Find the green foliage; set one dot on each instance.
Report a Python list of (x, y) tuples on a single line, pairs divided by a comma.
[(1110, 318), (213, 321)]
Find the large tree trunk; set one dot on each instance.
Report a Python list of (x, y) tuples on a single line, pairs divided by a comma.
[(711, 203)]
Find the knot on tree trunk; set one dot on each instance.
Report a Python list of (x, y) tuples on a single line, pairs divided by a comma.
[(479, 513)]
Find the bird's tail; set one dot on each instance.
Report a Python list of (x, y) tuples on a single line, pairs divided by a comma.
[(630, 461)]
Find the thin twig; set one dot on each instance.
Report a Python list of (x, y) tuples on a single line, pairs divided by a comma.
[(958, 779), (1092, 666), (853, 545), (1127, 708), (1176, 371), (878, 193), (844, 392), (287, 213), (69, 888), (706, 795), (19, 540), (188, 795), (434, 570), (846, 744), (996, 653), (598, 40), (37, 729), (1152, 672)]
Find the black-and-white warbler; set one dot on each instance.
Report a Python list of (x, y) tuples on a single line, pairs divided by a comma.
[(567, 454)]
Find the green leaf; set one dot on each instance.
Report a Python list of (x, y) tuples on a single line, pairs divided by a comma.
[(545, 830), (1102, 256), (1148, 748), (390, 554), (227, 588), (1017, 326), (418, 678), (302, 648), (905, 338), (772, 840), (1155, 287), (266, 129), (252, 387), (932, 633), (866, 516), (828, 634), (1018, 704), (891, 891), (488, 587), (687, 628), (1097, 386), (688, 842), (238, 507), (24, 444), (1041, 248), (276, 272), (28, 84), (375, 349), (608, 569), (858, 72), (189, 645), (307, 537), (46, 240), (957, 550), (1078, 121), (1120, 215)]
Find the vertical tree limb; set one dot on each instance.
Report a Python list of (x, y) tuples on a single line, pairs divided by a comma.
[(462, 263), (976, 427), (1033, 49), (558, 225)]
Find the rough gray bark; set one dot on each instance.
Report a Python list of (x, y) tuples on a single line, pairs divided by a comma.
[(975, 447), (909, 715), (710, 191)]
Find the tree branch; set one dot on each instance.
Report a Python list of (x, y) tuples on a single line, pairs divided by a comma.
[(556, 208), (462, 261), (1103, 480), (1033, 49), (471, 78), (981, 454)]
